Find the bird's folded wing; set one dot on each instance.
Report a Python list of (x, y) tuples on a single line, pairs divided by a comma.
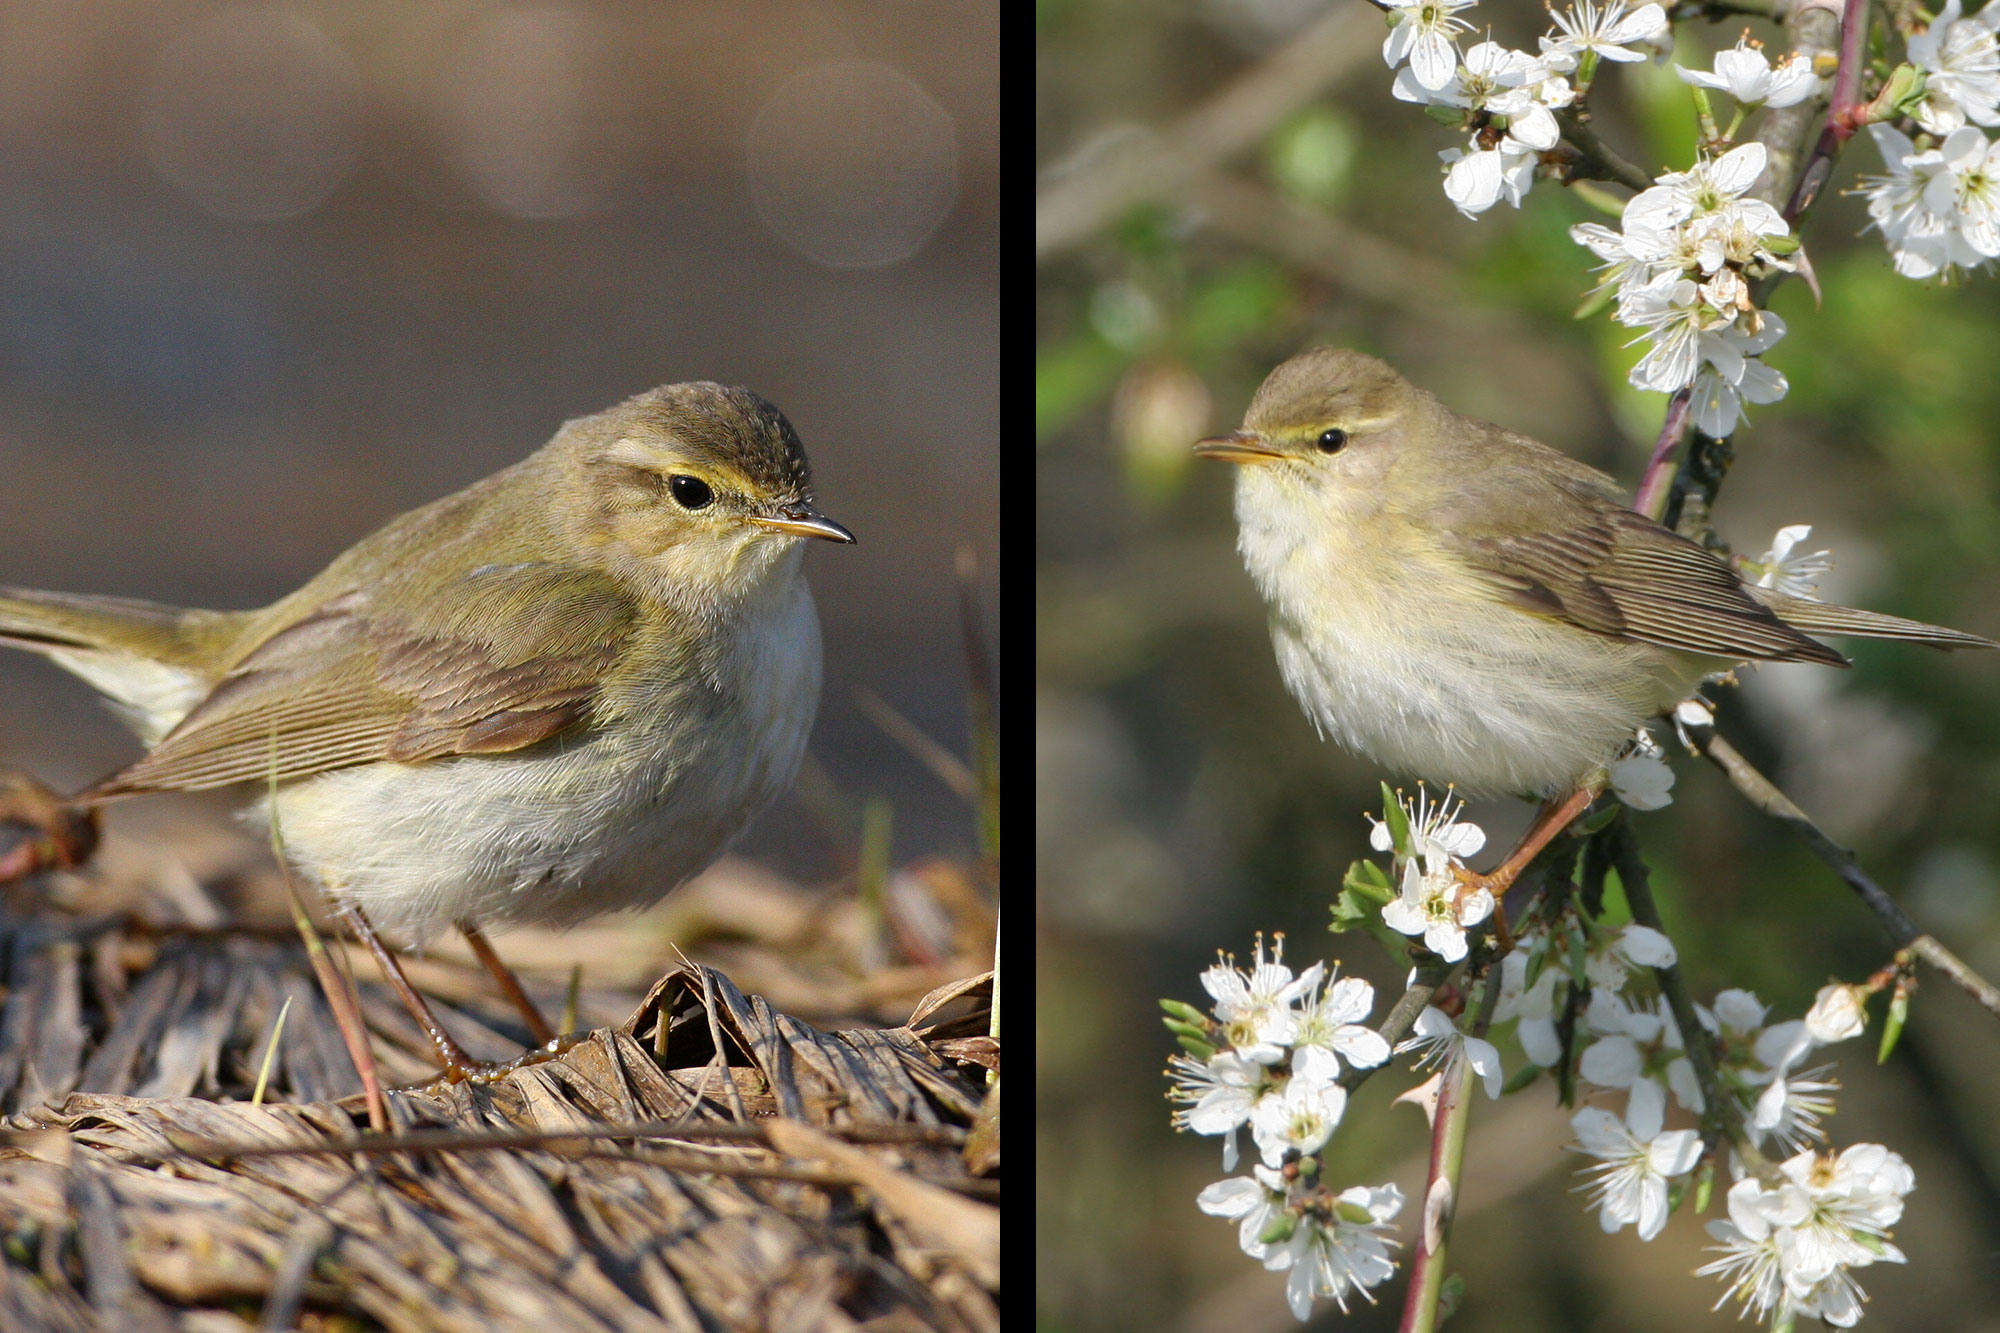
[(499, 659), (1613, 571)]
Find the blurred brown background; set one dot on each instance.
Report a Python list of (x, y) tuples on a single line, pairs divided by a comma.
[(270, 275), (1284, 198)]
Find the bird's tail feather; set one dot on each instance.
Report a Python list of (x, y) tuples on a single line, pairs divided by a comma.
[(1826, 618), (68, 622)]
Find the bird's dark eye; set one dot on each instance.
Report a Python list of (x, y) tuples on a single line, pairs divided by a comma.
[(689, 492), (1332, 441)]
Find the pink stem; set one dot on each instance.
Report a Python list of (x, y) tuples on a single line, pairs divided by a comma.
[(1653, 487)]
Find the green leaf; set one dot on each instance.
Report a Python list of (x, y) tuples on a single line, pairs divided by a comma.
[(1368, 877), (1892, 1026), (1398, 821), (1902, 94), (1185, 1012), (1521, 1078), (1349, 1211), (1362, 895), (1197, 1048), (1704, 1186), (1602, 819)]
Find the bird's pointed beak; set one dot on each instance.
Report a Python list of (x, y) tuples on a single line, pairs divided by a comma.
[(802, 520), (1239, 446)]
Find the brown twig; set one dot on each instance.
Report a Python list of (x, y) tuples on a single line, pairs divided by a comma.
[(1602, 160), (1765, 795)]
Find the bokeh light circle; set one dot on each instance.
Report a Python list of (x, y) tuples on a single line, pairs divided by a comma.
[(852, 164)]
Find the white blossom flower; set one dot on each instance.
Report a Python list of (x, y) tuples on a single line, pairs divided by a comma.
[(1611, 32), (1782, 1045), (1425, 33), (1915, 207), (1255, 1007), (1220, 1094), (1437, 834), (1477, 178), (1961, 65), (1712, 187), (1631, 258), (1300, 1119), (1639, 1159), (1433, 904), (1442, 1046), (1787, 1250), (1731, 375), (1331, 1028), (1791, 1107), (1695, 343), (1341, 1253), (1753, 1258), (1793, 1102), (1256, 1200), (1635, 1044), (1746, 74), (1534, 1006), (1838, 1013), (1974, 189), (1737, 1013), (1788, 569), (1671, 312), (1614, 954), (1853, 1200)]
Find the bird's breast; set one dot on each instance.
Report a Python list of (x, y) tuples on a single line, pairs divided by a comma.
[(687, 746), (1403, 656)]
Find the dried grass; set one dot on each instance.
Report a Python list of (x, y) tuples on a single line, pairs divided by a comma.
[(795, 1179)]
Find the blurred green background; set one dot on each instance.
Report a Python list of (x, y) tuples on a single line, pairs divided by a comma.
[(1223, 182), (272, 274)]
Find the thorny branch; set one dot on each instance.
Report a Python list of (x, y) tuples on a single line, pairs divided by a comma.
[(1765, 795)]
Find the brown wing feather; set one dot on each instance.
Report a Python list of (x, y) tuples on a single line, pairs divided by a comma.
[(499, 660), (1573, 552)]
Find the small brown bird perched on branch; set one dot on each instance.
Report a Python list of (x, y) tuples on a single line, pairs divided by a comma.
[(1465, 604), (559, 692)]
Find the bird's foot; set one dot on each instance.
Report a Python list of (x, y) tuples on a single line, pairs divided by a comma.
[(462, 1068)]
